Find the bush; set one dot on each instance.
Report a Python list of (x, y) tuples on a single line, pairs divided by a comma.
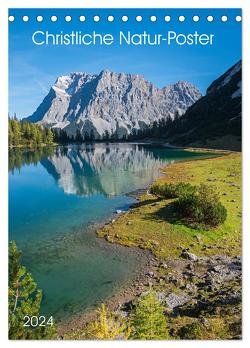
[(172, 190), (191, 331), (202, 206), (216, 328)]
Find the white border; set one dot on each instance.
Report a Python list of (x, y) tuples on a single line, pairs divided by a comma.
[(5, 4)]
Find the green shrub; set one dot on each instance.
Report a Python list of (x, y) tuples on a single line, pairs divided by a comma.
[(191, 331), (216, 328), (172, 190), (202, 206)]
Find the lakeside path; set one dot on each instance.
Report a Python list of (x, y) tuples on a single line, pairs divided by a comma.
[(149, 225)]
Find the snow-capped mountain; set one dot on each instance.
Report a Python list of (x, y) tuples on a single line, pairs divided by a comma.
[(110, 103), (215, 119)]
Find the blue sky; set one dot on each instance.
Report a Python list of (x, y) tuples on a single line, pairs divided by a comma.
[(33, 69)]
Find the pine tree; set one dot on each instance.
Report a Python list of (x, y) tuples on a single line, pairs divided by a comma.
[(86, 136), (148, 320), (39, 136), (24, 300), (78, 137), (106, 135), (33, 131), (26, 130), (49, 136), (92, 135), (10, 133), (16, 129), (107, 327)]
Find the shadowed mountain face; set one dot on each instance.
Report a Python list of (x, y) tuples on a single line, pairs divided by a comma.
[(110, 104), (214, 117)]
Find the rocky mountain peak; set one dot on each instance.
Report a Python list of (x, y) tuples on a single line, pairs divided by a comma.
[(116, 104)]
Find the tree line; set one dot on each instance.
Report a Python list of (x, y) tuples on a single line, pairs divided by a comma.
[(28, 134), (157, 130), (22, 133)]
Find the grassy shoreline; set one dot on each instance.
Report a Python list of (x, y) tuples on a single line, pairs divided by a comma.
[(143, 225)]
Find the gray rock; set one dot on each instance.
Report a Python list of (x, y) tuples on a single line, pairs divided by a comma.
[(189, 256), (211, 179), (173, 300), (164, 265), (122, 313), (110, 103), (224, 270), (233, 184), (161, 296), (150, 274), (191, 287), (171, 279), (237, 260), (205, 322)]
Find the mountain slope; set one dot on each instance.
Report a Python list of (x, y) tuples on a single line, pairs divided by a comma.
[(113, 104), (215, 119)]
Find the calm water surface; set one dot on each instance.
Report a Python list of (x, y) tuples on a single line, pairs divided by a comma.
[(57, 198)]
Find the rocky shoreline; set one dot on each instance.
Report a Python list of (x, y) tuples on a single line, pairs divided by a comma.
[(192, 286), (180, 285)]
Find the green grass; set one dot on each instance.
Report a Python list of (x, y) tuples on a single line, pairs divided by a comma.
[(149, 224)]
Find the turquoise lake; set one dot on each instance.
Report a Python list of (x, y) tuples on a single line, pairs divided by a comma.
[(57, 199)]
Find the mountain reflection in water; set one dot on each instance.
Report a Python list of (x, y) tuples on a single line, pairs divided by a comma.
[(108, 169)]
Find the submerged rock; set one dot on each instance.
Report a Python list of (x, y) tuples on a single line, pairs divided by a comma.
[(119, 211)]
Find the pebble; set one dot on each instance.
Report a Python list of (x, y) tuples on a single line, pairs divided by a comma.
[(211, 179), (150, 274)]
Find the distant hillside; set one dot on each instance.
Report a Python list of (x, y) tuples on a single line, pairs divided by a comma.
[(215, 119)]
